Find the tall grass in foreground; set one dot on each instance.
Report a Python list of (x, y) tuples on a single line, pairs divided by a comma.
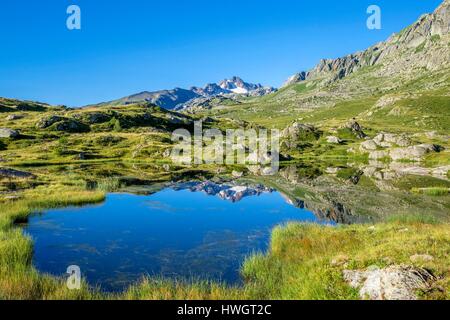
[(18, 279), (306, 261)]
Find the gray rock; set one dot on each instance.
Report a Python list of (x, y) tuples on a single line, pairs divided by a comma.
[(403, 142), (13, 117), (11, 173), (389, 139), (413, 153), (356, 129), (334, 139), (48, 121), (368, 145), (59, 123), (391, 283), (9, 133), (71, 125)]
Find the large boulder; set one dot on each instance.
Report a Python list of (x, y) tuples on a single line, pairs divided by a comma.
[(46, 122), (70, 125), (368, 145), (9, 133), (389, 139), (414, 153), (391, 283), (58, 123)]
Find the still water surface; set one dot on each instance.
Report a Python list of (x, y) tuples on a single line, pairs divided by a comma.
[(172, 233)]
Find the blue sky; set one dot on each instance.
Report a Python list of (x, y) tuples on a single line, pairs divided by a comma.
[(130, 46)]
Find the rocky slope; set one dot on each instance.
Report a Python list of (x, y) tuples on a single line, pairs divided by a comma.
[(422, 35)]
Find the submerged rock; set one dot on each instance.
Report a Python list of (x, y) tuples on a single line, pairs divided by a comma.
[(376, 155), (389, 139)]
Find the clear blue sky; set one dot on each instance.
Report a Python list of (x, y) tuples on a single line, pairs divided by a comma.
[(130, 46)]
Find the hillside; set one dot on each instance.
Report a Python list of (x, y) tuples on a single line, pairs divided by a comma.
[(401, 84)]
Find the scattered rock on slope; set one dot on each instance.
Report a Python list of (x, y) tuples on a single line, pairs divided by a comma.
[(368, 145), (59, 123), (334, 139), (8, 133), (12, 117), (11, 173), (48, 121), (356, 129)]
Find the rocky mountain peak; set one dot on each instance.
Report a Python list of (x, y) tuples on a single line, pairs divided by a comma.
[(180, 98), (237, 85), (428, 28)]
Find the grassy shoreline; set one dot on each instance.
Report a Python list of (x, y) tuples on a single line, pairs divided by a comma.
[(301, 262)]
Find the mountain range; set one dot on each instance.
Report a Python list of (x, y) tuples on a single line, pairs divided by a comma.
[(179, 98)]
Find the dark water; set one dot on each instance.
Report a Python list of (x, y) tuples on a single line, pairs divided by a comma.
[(170, 233)]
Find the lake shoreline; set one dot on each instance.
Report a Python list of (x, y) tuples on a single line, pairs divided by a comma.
[(266, 276)]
